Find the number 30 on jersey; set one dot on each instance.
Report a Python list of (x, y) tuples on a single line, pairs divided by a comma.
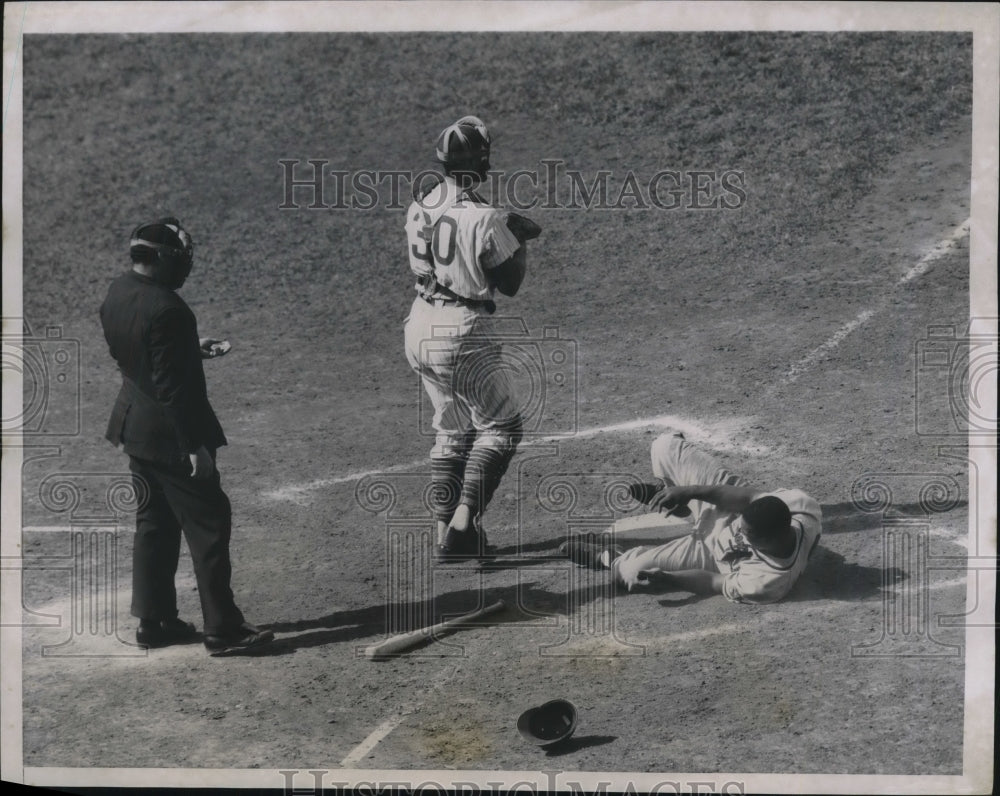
[(436, 243)]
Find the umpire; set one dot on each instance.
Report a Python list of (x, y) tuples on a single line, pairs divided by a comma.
[(164, 422)]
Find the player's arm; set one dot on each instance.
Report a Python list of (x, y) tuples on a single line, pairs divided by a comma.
[(730, 499), (696, 581), (503, 258)]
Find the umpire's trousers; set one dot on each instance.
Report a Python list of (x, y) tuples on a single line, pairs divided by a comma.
[(171, 500)]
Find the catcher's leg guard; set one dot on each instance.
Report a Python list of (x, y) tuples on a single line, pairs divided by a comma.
[(488, 462), (447, 476)]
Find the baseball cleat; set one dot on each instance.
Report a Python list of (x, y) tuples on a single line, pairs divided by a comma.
[(468, 545), (587, 551)]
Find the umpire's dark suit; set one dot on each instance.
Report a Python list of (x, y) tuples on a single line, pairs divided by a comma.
[(162, 415)]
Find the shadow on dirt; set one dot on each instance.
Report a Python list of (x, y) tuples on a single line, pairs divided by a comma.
[(522, 603), (576, 743), (848, 518), (830, 576)]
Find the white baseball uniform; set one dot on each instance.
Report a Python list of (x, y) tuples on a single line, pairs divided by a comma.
[(454, 238), (717, 543)]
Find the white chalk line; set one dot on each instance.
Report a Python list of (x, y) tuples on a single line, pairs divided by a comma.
[(719, 437), (379, 734), (923, 265)]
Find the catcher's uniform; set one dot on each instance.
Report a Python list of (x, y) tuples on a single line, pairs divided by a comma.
[(454, 238), (717, 543)]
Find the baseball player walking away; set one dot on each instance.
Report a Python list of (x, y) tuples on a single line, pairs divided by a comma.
[(462, 251), (748, 544), (164, 422)]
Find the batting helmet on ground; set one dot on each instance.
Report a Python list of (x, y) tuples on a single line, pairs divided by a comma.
[(548, 724)]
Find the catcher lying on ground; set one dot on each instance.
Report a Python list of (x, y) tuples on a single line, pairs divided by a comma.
[(747, 544)]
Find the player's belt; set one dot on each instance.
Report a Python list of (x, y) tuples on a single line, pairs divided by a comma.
[(438, 294), (488, 305)]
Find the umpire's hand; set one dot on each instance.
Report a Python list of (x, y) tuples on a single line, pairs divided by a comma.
[(202, 465)]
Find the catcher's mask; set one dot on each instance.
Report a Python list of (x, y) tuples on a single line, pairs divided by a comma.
[(164, 242), (465, 146), (548, 724)]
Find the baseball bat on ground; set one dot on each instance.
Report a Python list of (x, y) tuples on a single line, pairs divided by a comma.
[(404, 641)]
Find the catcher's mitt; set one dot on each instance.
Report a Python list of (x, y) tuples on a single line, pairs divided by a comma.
[(522, 227)]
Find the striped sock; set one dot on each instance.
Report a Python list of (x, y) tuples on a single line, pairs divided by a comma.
[(446, 487), (483, 472)]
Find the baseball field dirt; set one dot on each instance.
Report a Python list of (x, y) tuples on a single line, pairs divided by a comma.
[(779, 326)]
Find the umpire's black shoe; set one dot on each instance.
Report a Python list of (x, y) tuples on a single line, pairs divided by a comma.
[(587, 550), (152, 633), (244, 637)]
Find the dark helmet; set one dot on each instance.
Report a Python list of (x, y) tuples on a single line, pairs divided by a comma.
[(480, 125), (464, 146), (548, 724), (163, 241)]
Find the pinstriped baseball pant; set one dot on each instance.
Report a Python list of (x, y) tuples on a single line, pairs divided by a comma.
[(455, 351)]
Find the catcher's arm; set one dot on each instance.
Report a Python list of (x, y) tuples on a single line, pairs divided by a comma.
[(508, 276)]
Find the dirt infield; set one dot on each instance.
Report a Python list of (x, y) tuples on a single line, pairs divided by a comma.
[(783, 334)]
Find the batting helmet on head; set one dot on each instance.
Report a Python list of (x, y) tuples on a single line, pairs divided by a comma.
[(463, 146), (163, 241), (548, 724)]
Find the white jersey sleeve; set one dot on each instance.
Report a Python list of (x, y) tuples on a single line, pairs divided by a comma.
[(499, 243)]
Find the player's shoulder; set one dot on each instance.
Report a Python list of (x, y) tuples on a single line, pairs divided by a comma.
[(798, 501)]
